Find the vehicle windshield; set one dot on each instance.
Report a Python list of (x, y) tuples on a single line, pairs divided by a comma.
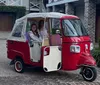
[(73, 27)]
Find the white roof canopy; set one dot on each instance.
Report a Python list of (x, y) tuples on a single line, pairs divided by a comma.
[(44, 15)]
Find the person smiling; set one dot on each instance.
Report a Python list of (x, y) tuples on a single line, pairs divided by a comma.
[(34, 34), (36, 41)]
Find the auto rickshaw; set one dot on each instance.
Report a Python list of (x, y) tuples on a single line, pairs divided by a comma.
[(67, 46)]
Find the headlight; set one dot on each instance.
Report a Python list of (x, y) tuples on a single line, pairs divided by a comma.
[(75, 48), (91, 46)]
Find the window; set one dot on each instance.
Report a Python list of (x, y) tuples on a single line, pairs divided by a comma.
[(55, 25), (73, 28), (18, 29)]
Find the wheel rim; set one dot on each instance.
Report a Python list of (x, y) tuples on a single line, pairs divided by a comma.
[(18, 66), (88, 74)]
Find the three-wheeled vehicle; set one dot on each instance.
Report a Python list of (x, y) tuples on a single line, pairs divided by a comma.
[(67, 46)]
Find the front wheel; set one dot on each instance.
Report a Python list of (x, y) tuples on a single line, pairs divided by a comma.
[(19, 66), (89, 73)]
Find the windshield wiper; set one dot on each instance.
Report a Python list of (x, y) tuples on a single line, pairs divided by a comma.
[(74, 26), (69, 28)]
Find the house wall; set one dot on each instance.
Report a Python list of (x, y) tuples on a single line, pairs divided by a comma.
[(90, 17), (86, 10), (26, 4), (80, 13)]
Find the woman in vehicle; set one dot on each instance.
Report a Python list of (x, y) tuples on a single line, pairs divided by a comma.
[(42, 29), (35, 43)]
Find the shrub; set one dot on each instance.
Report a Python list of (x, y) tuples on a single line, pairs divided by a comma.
[(96, 54), (18, 10)]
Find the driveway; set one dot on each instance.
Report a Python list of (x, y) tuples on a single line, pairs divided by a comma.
[(37, 77)]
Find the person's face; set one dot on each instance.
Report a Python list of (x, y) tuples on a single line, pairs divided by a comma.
[(33, 28)]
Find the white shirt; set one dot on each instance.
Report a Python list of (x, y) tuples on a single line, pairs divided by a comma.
[(34, 37), (44, 33)]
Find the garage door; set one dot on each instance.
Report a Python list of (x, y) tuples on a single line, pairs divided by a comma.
[(6, 22)]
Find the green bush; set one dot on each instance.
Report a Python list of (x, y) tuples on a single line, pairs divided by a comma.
[(96, 54), (18, 10), (54, 30)]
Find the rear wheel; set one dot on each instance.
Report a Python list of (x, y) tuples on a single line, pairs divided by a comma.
[(19, 66), (89, 73)]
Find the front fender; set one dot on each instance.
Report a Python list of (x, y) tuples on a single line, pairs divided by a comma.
[(86, 59)]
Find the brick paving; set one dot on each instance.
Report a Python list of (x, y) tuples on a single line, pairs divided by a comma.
[(35, 77)]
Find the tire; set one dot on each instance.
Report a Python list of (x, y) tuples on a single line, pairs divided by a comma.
[(19, 66), (89, 74)]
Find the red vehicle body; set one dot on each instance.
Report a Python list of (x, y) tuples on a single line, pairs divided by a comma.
[(70, 60)]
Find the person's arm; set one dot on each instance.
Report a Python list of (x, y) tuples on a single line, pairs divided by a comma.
[(33, 37), (44, 33)]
